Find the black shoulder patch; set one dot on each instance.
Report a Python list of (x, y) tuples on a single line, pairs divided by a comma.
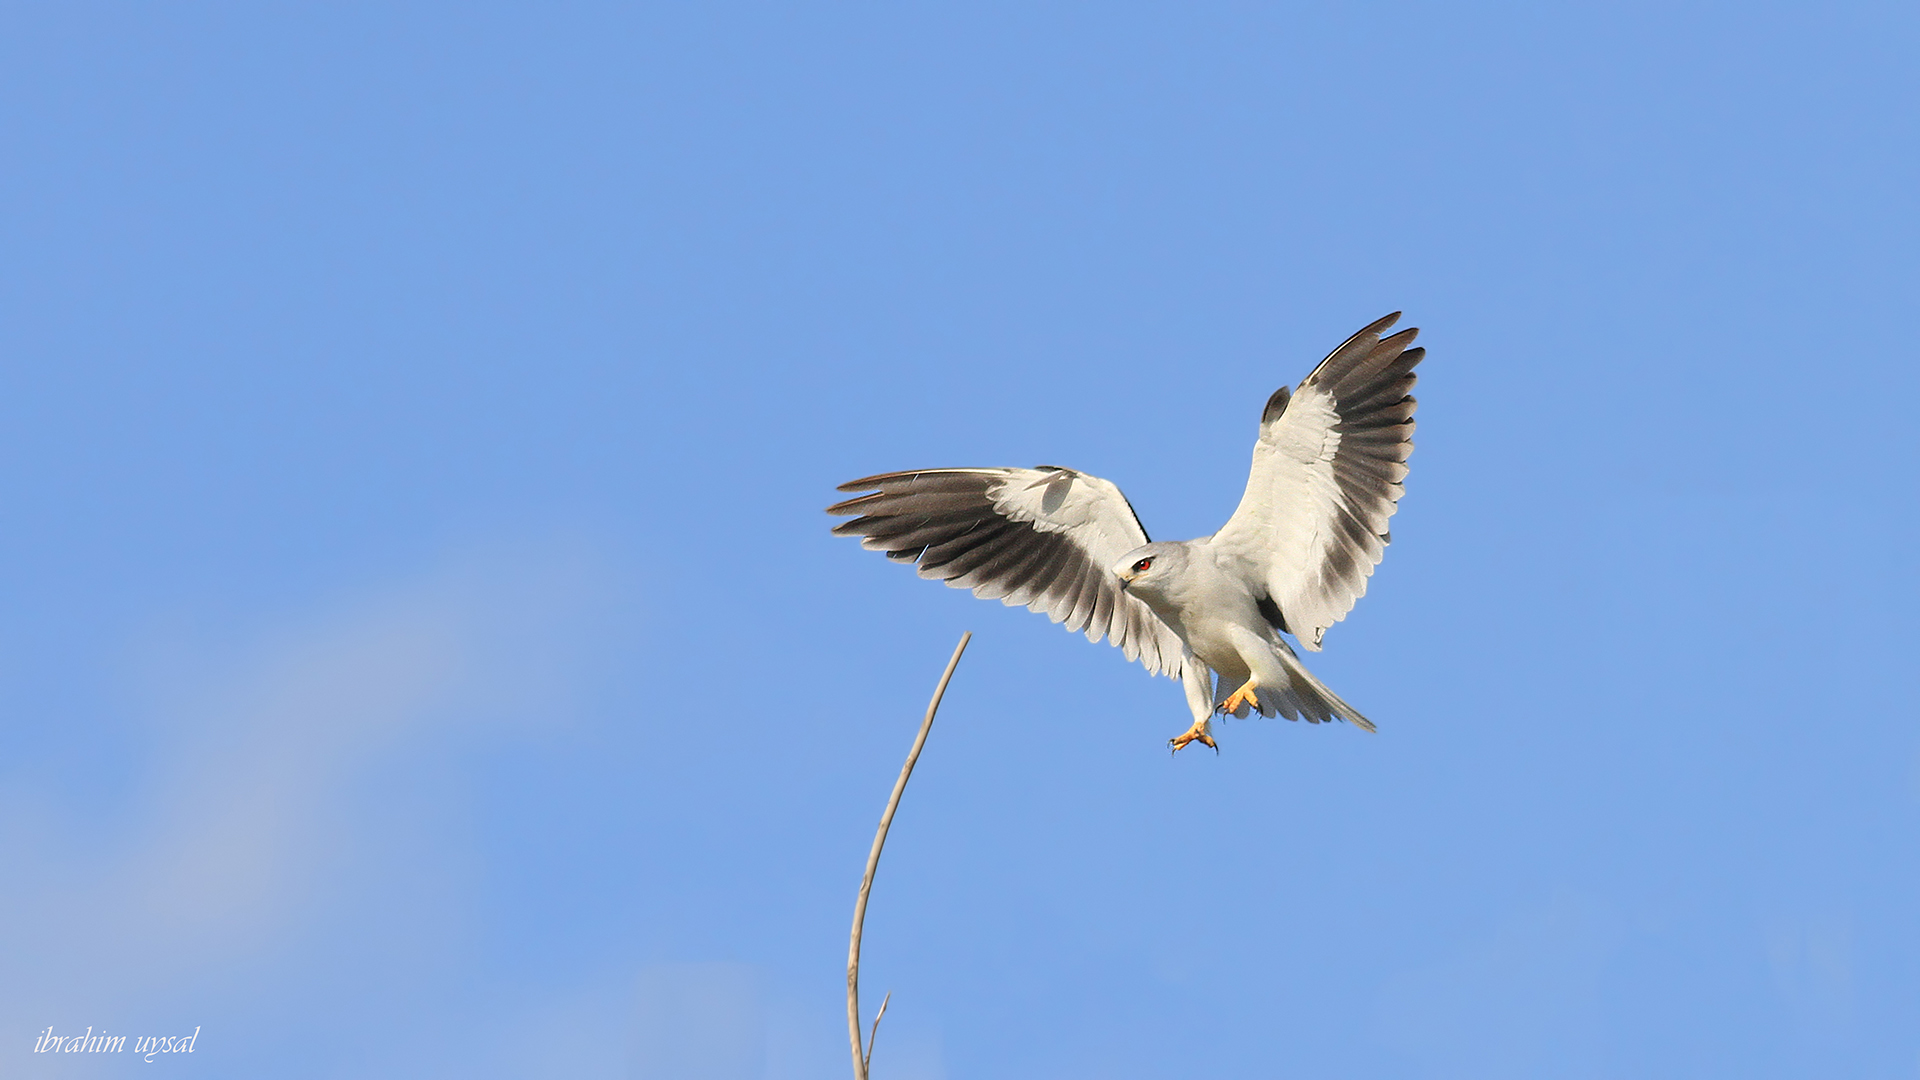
[(1276, 405), (1270, 611)]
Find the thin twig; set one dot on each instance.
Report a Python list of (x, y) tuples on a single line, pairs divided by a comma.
[(875, 1033), (862, 1056)]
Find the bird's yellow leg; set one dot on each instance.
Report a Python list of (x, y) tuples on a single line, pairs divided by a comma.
[(1199, 732), (1246, 695)]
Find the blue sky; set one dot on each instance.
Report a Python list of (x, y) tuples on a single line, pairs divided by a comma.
[(422, 650)]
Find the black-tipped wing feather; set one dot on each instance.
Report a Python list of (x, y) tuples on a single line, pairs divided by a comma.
[(1045, 539)]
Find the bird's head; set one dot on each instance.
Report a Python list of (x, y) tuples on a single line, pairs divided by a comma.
[(1145, 568)]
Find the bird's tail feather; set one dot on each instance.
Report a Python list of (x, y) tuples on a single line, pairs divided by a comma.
[(1307, 698)]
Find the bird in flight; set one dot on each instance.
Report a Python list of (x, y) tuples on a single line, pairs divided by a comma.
[(1293, 558)]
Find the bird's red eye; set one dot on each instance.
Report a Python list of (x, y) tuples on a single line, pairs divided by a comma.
[(1141, 566)]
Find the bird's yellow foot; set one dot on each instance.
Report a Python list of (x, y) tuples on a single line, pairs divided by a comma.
[(1246, 695), (1196, 733)]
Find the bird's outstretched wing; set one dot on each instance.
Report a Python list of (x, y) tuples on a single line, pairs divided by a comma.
[(1045, 538), (1326, 477)]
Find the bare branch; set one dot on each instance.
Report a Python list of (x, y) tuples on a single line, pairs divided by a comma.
[(862, 1056)]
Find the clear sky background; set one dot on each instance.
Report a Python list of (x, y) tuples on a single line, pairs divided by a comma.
[(422, 650)]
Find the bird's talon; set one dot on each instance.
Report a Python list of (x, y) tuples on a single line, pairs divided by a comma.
[(1196, 733), (1246, 695)]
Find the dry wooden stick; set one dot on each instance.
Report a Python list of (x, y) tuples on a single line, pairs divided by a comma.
[(863, 1055)]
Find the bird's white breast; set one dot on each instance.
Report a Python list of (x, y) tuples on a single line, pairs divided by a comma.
[(1204, 603)]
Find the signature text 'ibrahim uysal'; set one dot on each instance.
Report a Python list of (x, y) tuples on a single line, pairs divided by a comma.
[(89, 1043)]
